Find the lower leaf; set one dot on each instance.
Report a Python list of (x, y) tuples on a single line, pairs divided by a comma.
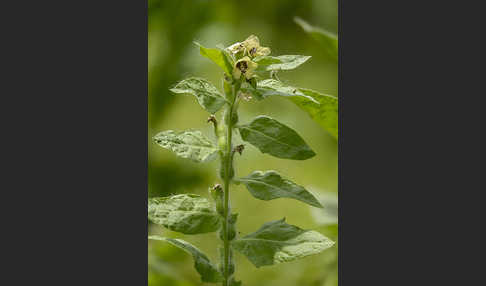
[(203, 265), (277, 242), (191, 144), (188, 214), (270, 185)]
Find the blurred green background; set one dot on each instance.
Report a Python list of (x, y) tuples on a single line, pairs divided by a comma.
[(172, 27)]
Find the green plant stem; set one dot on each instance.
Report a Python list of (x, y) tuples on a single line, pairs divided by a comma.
[(228, 165)]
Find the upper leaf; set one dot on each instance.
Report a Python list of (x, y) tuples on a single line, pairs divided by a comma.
[(323, 108), (285, 62), (276, 139), (203, 265), (328, 40), (270, 185), (269, 87), (188, 214), (188, 144), (325, 113), (206, 93), (218, 56), (276, 242)]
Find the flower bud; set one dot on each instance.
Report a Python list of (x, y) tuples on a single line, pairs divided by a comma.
[(231, 228), (222, 142), (216, 193)]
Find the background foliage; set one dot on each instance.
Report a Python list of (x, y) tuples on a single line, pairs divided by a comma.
[(173, 26)]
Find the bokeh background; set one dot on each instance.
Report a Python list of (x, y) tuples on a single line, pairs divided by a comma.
[(172, 27)]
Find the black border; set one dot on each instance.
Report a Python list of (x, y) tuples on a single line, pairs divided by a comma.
[(74, 191)]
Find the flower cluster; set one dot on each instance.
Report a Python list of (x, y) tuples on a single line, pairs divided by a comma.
[(245, 52)]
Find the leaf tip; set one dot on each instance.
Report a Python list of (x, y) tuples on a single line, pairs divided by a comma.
[(303, 24), (155, 237), (318, 205), (297, 19)]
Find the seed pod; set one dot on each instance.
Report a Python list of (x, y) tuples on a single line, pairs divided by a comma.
[(222, 141), (231, 265), (227, 89), (216, 193), (234, 118), (222, 172), (232, 226)]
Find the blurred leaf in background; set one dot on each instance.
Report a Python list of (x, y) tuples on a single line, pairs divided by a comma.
[(327, 40), (173, 26)]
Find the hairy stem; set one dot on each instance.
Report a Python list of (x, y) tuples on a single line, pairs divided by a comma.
[(228, 165)]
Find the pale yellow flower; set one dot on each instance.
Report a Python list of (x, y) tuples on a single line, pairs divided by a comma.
[(244, 66), (253, 48), (249, 47)]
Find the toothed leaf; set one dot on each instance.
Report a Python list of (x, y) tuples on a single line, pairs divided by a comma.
[(206, 93), (188, 214)]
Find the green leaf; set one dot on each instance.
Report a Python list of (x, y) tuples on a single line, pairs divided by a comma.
[(329, 214), (323, 108), (270, 185), (276, 242), (206, 93), (285, 62), (190, 144), (218, 56), (328, 40), (203, 265), (276, 139), (188, 214), (269, 87), (325, 112)]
